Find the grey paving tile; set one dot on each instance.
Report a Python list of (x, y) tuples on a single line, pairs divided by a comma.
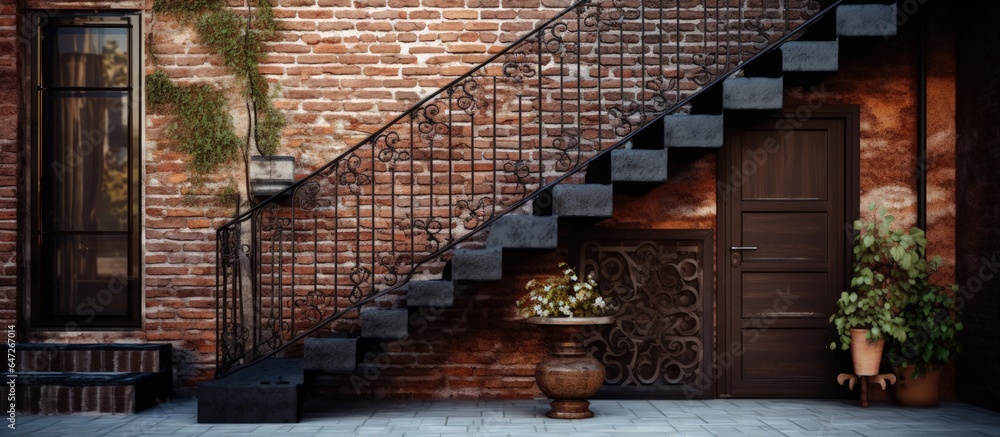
[(520, 418)]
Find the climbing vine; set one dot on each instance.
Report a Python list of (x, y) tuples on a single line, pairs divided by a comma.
[(203, 126)]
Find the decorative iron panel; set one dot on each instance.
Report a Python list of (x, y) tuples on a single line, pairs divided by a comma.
[(661, 281)]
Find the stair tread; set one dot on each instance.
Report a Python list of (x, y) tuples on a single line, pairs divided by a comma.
[(438, 293), (635, 165), (384, 323), (583, 200), (484, 264), (810, 56), (873, 19), (753, 93), (700, 130)]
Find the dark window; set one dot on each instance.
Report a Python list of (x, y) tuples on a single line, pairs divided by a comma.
[(86, 156)]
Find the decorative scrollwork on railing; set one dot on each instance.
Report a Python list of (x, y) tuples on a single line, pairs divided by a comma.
[(473, 212), (391, 275), (518, 67), (521, 172), (427, 120), (565, 147), (663, 96), (708, 66), (353, 175), (233, 341), (308, 198), (761, 28), (552, 38), (360, 283), (387, 151), (431, 227), (465, 95), (621, 117)]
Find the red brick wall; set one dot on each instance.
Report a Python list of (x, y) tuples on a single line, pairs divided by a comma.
[(9, 133)]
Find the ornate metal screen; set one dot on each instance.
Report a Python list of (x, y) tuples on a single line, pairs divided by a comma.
[(661, 280)]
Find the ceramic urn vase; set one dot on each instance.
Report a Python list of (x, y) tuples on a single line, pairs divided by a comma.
[(570, 376)]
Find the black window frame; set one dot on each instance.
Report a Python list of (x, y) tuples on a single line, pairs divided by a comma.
[(37, 23)]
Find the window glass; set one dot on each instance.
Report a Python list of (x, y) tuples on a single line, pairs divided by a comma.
[(87, 57), (85, 161)]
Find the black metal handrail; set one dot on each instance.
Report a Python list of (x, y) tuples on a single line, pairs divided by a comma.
[(580, 85)]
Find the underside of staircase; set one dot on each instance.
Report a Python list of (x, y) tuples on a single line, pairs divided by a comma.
[(272, 390)]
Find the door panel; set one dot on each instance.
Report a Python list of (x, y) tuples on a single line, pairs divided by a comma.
[(784, 295), (786, 237), (778, 355), (781, 235), (778, 159)]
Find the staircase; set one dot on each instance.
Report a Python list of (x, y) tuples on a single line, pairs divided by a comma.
[(384, 196)]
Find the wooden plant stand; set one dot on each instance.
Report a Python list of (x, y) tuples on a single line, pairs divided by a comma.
[(850, 379)]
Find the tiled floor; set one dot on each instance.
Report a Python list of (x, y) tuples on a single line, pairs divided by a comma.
[(718, 417)]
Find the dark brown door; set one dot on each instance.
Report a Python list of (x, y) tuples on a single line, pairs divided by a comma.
[(783, 204)]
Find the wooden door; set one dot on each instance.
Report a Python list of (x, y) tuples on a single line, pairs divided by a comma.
[(783, 197)]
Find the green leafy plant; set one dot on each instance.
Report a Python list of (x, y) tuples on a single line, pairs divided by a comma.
[(888, 265), (932, 316), (563, 296), (202, 125)]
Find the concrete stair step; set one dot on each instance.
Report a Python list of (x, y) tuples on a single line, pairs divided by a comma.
[(810, 56), (763, 93), (94, 357), (477, 264), (430, 293), (866, 20), (92, 378), (635, 165), (582, 200), (331, 355), (385, 324), (56, 393), (682, 130), (267, 392), (514, 231)]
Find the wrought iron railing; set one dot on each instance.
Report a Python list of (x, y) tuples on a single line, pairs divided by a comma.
[(535, 114)]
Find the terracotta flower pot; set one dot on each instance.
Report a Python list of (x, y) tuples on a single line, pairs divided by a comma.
[(570, 376), (867, 355), (921, 392)]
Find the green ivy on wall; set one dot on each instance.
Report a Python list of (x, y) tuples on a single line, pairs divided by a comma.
[(203, 126)]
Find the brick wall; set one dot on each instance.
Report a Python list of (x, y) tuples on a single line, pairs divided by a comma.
[(344, 67), (10, 114), (979, 204)]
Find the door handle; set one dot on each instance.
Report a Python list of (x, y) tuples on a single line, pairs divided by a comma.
[(743, 248)]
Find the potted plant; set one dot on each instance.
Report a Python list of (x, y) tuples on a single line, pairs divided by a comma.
[(888, 263), (565, 303), (931, 314)]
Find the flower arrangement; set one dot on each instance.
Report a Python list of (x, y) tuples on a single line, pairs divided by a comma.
[(563, 296)]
